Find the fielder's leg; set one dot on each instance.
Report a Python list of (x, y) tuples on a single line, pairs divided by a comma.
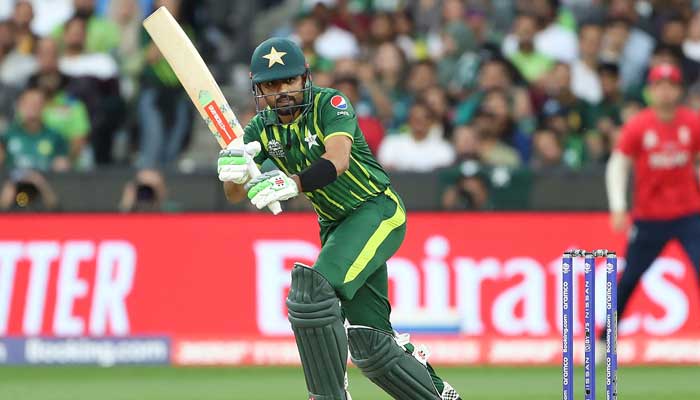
[(646, 240), (688, 235), (317, 322)]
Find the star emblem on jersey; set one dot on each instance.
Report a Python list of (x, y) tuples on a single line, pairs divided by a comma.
[(311, 140), (274, 57), (274, 149), (339, 102)]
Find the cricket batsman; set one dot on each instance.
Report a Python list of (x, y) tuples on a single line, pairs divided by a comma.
[(662, 144), (311, 134)]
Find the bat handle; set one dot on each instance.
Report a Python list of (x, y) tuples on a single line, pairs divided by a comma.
[(253, 171)]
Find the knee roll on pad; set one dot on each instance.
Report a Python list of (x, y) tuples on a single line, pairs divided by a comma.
[(389, 366), (316, 319)]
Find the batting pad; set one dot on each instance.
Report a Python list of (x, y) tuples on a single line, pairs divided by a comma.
[(389, 366), (314, 312)]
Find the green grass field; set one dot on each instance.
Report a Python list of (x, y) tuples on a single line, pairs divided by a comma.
[(161, 383)]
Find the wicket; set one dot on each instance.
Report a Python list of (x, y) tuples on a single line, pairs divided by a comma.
[(589, 323)]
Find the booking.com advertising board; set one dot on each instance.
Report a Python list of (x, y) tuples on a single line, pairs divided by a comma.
[(205, 289)]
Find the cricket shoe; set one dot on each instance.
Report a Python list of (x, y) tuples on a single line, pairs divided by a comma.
[(448, 393)]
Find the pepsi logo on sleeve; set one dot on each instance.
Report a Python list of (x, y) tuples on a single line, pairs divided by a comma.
[(339, 102)]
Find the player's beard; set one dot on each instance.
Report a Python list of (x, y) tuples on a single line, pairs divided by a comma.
[(288, 106)]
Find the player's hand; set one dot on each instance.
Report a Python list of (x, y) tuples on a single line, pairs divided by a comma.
[(618, 221), (235, 161), (270, 187)]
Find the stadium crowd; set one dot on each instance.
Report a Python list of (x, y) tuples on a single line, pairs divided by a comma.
[(468, 85)]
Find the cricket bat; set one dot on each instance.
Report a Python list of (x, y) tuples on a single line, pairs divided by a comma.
[(195, 77)]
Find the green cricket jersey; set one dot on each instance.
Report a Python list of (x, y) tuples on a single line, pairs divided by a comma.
[(32, 150), (293, 147)]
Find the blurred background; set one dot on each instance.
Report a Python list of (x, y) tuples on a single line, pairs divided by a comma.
[(117, 245)]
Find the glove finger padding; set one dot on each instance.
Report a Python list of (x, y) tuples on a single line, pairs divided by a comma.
[(233, 173), (234, 163), (270, 187)]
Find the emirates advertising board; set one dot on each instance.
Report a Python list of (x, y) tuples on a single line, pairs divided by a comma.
[(209, 289)]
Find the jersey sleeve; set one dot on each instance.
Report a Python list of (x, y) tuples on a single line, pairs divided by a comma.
[(252, 134), (337, 116), (629, 141)]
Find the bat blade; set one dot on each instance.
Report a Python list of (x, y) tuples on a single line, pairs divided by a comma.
[(195, 77)]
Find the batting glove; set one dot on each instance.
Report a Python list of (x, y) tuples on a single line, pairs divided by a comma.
[(235, 161), (270, 187)]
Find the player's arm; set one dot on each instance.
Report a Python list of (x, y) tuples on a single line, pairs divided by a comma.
[(276, 186), (333, 163), (616, 176), (617, 173)]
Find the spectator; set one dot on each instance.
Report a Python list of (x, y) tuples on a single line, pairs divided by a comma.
[(416, 151), (465, 140), (63, 112), (404, 36), (27, 190), (427, 14), (29, 143), (470, 192), (390, 65), (381, 30), (308, 29), (496, 73), (17, 62), (436, 99), (585, 82), (458, 63), (8, 89), (333, 42), (623, 41), (548, 37), (94, 79), (7, 38), (531, 63), (48, 14), (102, 35), (606, 116), (165, 113), (494, 152), (557, 86), (22, 18), (673, 33), (126, 15), (421, 76), (556, 40), (146, 192), (479, 23), (691, 43), (547, 151), (556, 117), (497, 104)]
